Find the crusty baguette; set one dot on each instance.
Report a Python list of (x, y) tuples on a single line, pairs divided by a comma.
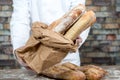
[(65, 71), (62, 24), (72, 75), (85, 21)]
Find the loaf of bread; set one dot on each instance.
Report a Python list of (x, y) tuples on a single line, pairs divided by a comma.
[(69, 71), (62, 24), (94, 72), (85, 21), (65, 71)]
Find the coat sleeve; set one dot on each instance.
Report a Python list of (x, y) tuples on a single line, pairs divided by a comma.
[(20, 23), (85, 33)]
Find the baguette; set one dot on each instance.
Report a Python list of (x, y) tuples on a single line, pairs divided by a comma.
[(85, 21), (62, 24), (65, 71)]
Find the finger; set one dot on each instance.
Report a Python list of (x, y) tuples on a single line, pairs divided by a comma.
[(78, 41)]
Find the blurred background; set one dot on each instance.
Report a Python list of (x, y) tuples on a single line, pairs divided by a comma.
[(102, 46)]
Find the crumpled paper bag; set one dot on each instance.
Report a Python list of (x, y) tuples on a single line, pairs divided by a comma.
[(44, 48)]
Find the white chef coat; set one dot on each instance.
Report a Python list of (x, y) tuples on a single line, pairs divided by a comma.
[(26, 12)]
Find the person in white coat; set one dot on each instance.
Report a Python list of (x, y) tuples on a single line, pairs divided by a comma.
[(26, 12)]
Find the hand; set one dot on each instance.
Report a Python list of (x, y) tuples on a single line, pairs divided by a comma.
[(78, 40)]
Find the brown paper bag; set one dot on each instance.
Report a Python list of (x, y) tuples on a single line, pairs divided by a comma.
[(44, 49)]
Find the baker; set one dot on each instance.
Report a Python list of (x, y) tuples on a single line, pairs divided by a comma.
[(26, 12)]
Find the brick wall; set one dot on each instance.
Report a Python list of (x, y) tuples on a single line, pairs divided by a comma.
[(6, 56), (5, 13), (103, 43)]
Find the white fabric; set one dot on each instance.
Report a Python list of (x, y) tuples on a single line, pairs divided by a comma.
[(26, 12)]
